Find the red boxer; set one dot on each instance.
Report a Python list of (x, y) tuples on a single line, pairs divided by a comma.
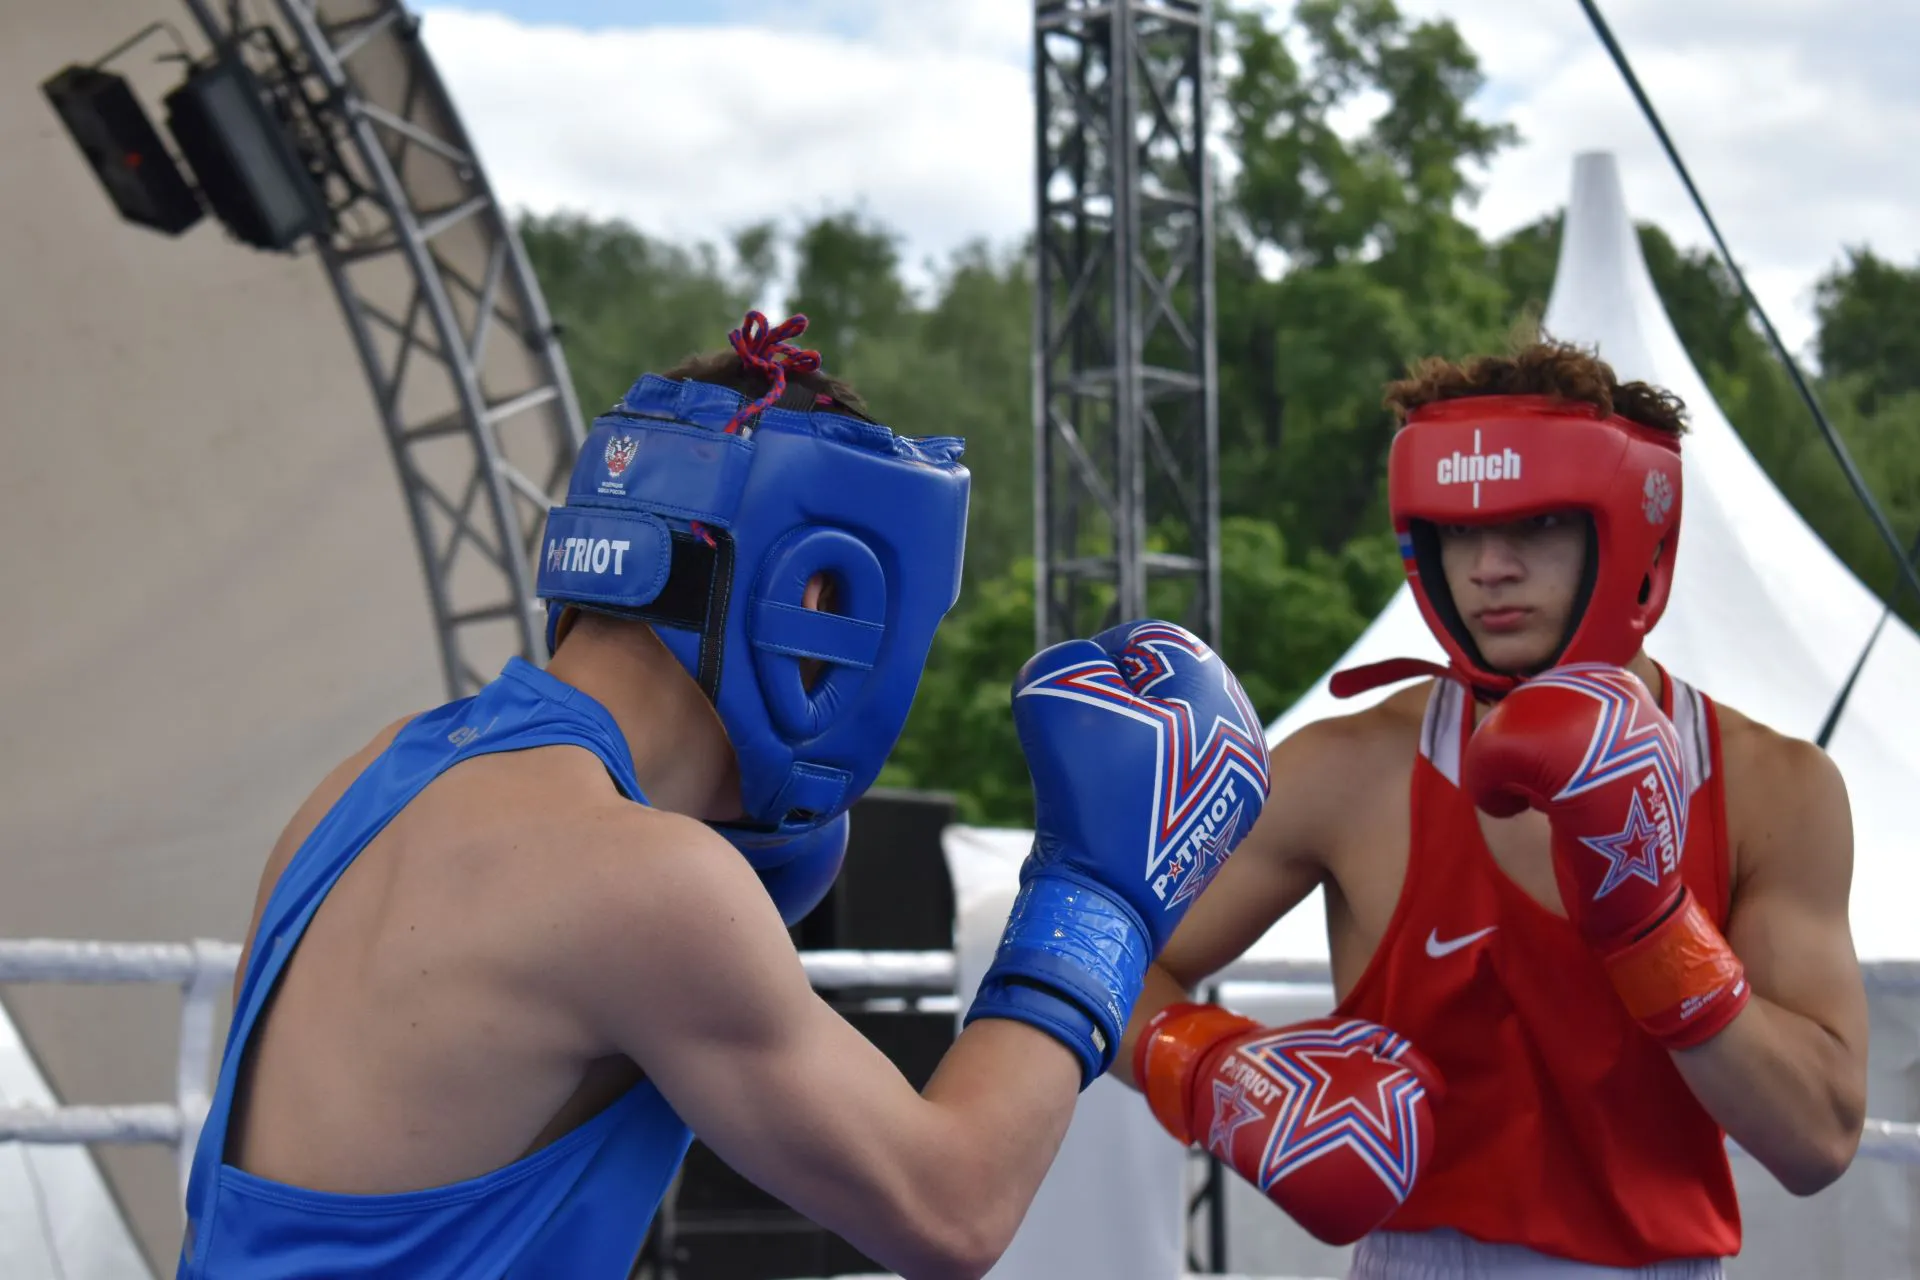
[(1607, 912)]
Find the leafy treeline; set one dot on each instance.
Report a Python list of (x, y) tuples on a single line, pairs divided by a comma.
[(1377, 267)]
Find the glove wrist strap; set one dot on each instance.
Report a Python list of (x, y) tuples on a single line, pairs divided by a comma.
[(1168, 1056), (1681, 982), (1071, 962)]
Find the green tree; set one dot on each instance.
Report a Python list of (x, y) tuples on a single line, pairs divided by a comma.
[(1869, 313), (847, 282), (1285, 622), (1283, 625), (960, 366), (1341, 256), (960, 736), (1322, 198), (1696, 289), (1380, 268), (625, 302)]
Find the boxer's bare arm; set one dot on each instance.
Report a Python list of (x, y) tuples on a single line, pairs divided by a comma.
[(1787, 1079), (687, 969), (1272, 872)]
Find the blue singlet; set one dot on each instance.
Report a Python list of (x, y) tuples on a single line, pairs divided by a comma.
[(579, 1207)]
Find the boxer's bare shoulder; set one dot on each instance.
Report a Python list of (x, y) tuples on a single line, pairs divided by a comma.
[(631, 885), (1790, 850), (670, 955), (1781, 790), (1340, 773), (1382, 734), (307, 817), (646, 895)]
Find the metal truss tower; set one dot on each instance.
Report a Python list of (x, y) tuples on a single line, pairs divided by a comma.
[(1126, 459), (465, 365)]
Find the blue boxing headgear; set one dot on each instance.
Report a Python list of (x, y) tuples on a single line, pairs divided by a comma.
[(711, 535)]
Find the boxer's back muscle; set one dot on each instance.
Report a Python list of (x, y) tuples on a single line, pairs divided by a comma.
[(419, 1035)]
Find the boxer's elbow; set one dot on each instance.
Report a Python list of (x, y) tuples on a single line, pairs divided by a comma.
[(1833, 1153), (968, 1222), (940, 1224), (949, 1245), (1815, 1171), (971, 1260), (1825, 1153)]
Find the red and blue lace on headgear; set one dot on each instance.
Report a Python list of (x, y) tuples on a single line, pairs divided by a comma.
[(706, 514)]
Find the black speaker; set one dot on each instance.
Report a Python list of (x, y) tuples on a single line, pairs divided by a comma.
[(894, 892), (249, 169), (111, 129), (787, 1251)]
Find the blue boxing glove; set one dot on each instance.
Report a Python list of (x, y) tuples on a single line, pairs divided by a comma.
[(1149, 767), (797, 870)]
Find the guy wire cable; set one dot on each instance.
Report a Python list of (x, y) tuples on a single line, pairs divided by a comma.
[(1909, 576), (1832, 721)]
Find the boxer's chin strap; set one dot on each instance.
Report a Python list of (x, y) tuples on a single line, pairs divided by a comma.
[(1357, 680)]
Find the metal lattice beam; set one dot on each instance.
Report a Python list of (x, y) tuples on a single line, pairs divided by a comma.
[(1125, 409), (447, 317)]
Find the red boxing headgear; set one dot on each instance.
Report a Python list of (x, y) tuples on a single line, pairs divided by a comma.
[(1493, 459)]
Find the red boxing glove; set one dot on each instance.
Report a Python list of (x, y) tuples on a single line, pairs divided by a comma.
[(1329, 1118), (1588, 746)]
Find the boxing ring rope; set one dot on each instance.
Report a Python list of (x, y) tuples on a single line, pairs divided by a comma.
[(204, 970)]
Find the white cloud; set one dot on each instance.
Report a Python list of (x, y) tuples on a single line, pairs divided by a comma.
[(1791, 115), (692, 131), (997, 29), (1797, 120)]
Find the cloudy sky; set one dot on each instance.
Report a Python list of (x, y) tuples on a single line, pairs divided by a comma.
[(1799, 119)]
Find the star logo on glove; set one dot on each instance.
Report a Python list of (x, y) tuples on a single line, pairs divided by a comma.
[(1231, 1112), (1622, 744), (1633, 851), (1207, 860), (1197, 759), (1337, 1097), (1194, 793), (1321, 1106)]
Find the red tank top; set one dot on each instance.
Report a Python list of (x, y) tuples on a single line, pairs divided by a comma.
[(1565, 1128)]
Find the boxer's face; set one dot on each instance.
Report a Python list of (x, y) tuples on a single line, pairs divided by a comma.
[(1515, 584), (822, 594)]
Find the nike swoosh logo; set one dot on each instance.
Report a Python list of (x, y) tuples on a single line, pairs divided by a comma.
[(1437, 948)]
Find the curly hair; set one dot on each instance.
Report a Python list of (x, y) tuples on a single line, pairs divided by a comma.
[(1541, 367)]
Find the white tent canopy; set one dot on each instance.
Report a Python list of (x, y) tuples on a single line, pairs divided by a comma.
[(1763, 616)]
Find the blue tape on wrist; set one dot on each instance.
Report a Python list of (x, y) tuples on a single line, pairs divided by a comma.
[(1071, 962)]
